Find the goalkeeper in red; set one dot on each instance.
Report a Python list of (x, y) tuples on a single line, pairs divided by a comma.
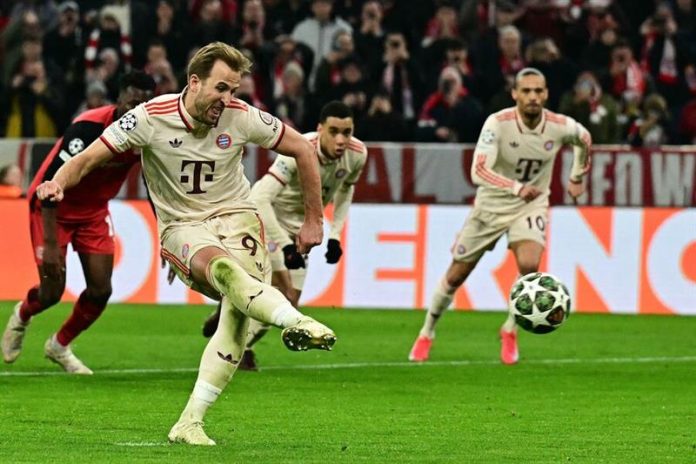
[(512, 165)]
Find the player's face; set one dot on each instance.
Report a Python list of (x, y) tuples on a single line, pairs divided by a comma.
[(334, 136), (212, 94), (531, 95), (132, 97)]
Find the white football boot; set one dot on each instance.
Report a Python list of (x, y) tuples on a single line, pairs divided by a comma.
[(308, 334), (189, 432), (13, 336), (63, 356)]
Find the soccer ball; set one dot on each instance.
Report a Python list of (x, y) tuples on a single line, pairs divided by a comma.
[(540, 302)]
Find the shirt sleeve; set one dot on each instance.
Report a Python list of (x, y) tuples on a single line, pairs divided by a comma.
[(264, 191), (581, 140), (284, 168), (485, 155), (262, 128), (343, 198), (132, 130)]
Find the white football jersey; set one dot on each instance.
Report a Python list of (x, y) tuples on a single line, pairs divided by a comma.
[(193, 171), (284, 194), (509, 155)]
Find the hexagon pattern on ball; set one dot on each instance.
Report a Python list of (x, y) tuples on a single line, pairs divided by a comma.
[(540, 302)]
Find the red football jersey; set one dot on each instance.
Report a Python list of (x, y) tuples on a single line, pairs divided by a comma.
[(89, 198)]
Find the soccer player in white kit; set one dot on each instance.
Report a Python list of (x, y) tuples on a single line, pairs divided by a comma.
[(512, 165), (192, 144), (278, 196)]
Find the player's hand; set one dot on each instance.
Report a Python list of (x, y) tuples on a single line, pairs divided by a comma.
[(49, 190), (575, 189), (293, 259), (170, 274), (529, 193), (310, 235), (333, 251)]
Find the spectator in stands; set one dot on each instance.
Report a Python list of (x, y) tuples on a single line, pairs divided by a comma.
[(63, 44), (506, 61), (170, 30), (284, 15), (34, 101), (353, 88), (687, 123), (108, 35), (685, 16), (45, 10), (106, 71), (212, 25), (625, 81), (665, 56), (443, 25), (160, 69), (247, 92), (290, 107), (318, 31), (597, 53), (382, 123), (328, 72), (369, 40), (252, 31), (592, 108), (544, 55), (401, 77), (450, 114), (650, 129), (10, 181), (25, 27), (95, 96), (274, 59)]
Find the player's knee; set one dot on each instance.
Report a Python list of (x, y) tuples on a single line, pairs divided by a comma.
[(528, 266), (99, 294), (50, 295)]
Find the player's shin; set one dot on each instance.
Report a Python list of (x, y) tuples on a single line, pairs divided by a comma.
[(254, 298), (442, 298), (219, 361), (256, 332)]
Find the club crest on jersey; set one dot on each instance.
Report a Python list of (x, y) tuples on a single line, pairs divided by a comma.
[(223, 141), (185, 250), (548, 145), (76, 146), (341, 173), (128, 122)]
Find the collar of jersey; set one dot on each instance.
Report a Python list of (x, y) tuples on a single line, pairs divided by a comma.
[(539, 129), (191, 124)]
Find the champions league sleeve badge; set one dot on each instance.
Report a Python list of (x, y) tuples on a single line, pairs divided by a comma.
[(128, 122)]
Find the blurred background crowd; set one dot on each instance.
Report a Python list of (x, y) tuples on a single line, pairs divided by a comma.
[(412, 70)]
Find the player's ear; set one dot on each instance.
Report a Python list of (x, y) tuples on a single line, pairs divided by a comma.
[(319, 127), (194, 82)]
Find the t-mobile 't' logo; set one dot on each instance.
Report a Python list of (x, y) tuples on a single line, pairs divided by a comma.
[(197, 174)]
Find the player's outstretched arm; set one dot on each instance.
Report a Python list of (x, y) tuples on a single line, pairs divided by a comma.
[(582, 143), (74, 170), (296, 146)]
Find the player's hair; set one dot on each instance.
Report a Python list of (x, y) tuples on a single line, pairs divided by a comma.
[(202, 62), (528, 72), (336, 109), (137, 79)]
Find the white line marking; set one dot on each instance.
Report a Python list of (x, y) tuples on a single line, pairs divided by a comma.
[(361, 365), (141, 444)]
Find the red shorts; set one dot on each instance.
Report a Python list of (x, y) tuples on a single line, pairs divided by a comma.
[(94, 236)]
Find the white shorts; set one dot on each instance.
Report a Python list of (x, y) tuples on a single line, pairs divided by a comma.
[(297, 276), (240, 234), (482, 229)]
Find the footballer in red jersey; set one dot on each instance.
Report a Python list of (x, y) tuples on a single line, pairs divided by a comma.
[(81, 219)]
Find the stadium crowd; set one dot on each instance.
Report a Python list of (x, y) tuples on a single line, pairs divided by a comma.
[(426, 71)]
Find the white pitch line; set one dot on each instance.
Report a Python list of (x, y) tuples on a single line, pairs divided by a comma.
[(141, 444), (397, 364)]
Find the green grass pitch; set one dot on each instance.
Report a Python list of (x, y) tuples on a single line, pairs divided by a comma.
[(602, 389)]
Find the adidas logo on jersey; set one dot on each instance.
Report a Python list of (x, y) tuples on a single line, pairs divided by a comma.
[(176, 143)]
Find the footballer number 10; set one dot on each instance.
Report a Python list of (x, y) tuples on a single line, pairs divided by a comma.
[(538, 221)]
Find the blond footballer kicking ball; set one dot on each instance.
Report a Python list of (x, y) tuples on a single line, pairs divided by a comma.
[(539, 302)]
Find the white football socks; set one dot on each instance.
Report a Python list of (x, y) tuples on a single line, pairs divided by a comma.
[(442, 298), (509, 325), (256, 332)]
